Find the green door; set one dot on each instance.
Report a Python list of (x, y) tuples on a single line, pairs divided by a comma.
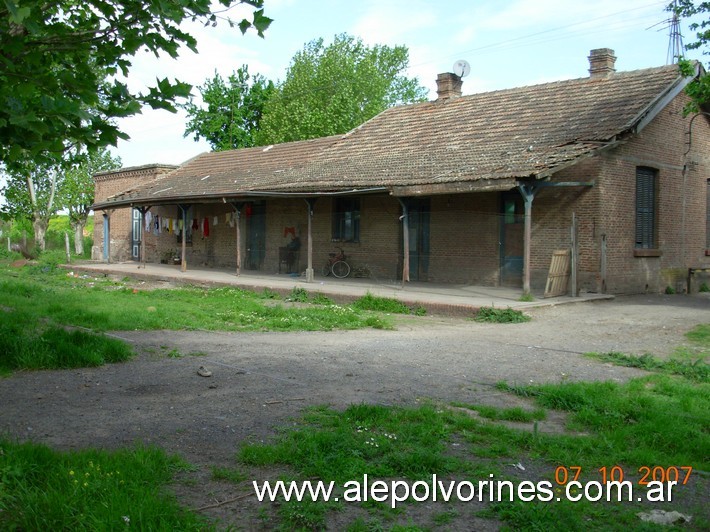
[(256, 235), (512, 230)]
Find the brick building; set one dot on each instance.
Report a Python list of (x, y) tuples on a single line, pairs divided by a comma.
[(116, 223), (478, 189)]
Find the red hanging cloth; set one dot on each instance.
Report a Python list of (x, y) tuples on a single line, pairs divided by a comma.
[(206, 228)]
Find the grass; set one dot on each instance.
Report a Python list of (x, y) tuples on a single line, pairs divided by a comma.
[(53, 347), (42, 489), (688, 361), (633, 424), (499, 315), (516, 414), (43, 303), (385, 304)]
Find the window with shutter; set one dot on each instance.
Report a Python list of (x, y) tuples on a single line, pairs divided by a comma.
[(346, 220), (646, 199)]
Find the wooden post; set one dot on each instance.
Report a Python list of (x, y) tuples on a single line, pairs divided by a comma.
[(528, 192), (238, 211), (107, 235), (142, 233), (405, 243), (573, 256), (309, 268), (183, 254), (9, 244), (603, 264)]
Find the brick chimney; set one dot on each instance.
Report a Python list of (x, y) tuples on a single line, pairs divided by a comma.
[(601, 63), (448, 86)]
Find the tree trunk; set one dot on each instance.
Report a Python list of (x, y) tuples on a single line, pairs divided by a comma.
[(78, 238), (40, 228)]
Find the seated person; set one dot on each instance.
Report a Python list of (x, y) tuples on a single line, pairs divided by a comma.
[(292, 248)]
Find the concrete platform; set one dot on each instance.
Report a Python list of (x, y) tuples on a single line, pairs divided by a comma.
[(446, 299)]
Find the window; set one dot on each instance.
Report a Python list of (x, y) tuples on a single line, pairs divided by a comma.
[(346, 220), (646, 200)]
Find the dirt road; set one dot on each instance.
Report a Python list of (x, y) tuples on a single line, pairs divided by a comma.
[(260, 380)]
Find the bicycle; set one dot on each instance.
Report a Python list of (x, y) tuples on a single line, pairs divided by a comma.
[(337, 265)]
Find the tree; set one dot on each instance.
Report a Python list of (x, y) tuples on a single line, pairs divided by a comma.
[(332, 89), (76, 190), (30, 193), (53, 56), (231, 111), (699, 89)]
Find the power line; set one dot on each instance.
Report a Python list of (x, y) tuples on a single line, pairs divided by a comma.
[(523, 39)]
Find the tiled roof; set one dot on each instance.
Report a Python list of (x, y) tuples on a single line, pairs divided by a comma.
[(522, 132)]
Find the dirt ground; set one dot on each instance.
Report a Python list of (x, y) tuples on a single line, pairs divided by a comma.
[(260, 381)]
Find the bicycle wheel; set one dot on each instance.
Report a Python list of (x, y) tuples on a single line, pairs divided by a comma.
[(341, 269), (326, 269)]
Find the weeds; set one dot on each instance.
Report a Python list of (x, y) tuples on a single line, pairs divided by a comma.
[(381, 304), (43, 303), (298, 295), (42, 489), (697, 370), (51, 347), (498, 315), (634, 424)]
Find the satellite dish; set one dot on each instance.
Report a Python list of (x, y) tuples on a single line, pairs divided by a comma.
[(462, 68)]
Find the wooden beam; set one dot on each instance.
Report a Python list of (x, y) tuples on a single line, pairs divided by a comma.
[(555, 184), (183, 253), (528, 192), (238, 234), (310, 202), (405, 243), (478, 185)]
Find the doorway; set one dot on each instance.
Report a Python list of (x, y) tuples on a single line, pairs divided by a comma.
[(419, 216), (136, 234), (256, 235)]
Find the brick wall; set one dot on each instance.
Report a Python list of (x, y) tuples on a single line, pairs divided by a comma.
[(606, 212), (108, 184), (465, 229)]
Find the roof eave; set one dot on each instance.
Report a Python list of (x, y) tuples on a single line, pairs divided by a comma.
[(646, 116), (216, 198)]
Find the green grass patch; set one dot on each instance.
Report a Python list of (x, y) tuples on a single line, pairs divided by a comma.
[(633, 424), (229, 474), (381, 304), (696, 370), (53, 347), (39, 301), (516, 414), (42, 489), (500, 315)]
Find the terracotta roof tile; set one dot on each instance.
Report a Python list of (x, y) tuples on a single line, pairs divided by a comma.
[(521, 132)]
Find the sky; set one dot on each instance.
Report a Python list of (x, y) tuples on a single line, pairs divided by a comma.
[(508, 43)]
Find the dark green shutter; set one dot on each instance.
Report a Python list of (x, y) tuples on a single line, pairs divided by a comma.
[(645, 207)]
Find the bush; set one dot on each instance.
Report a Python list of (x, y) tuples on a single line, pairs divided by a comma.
[(381, 304), (498, 315)]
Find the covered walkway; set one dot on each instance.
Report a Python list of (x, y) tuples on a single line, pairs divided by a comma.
[(446, 299)]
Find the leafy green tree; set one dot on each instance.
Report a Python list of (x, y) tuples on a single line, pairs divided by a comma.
[(231, 110), (698, 90), (332, 89), (54, 57), (76, 190), (31, 194)]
